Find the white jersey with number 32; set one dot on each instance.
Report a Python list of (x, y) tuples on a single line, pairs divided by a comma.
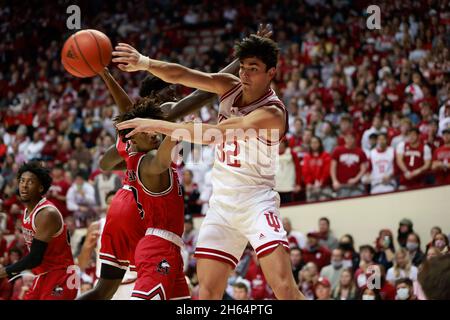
[(243, 166)]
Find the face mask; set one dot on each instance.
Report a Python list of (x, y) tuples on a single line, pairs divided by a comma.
[(439, 243), (412, 246), (402, 293), (368, 297), (336, 264)]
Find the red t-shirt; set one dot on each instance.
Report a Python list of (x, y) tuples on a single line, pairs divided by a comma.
[(348, 162), (387, 291), (259, 287), (321, 257), (443, 154), (316, 168)]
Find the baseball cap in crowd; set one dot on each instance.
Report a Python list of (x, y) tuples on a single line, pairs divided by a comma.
[(323, 282)]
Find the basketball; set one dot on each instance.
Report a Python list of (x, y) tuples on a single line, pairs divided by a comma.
[(86, 53)]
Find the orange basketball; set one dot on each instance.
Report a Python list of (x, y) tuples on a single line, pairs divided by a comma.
[(86, 53)]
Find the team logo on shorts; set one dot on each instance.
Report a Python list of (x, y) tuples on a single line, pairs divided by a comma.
[(57, 291), (273, 221), (163, 267)]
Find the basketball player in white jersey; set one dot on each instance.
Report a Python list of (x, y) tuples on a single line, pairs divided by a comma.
[(243, 207), (382, 166)]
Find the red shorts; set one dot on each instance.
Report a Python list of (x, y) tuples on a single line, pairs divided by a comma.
[(160, 271), (53, 285), (123, 230)]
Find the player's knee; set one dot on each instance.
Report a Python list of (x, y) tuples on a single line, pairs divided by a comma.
[(284, 288)]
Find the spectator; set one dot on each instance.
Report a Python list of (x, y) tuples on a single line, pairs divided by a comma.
[(241, 291), (405, 126), (381, 167), (191, 194), (308, 277), (314, 252), (413, 247), (329, 138), (405, 289), (402, 268), (346, 287), (104, 183), (377, 128), (58, 190), (287, 174), (434, 278), (260, 290), (327, 239), (433, 252), (190, 234), (385, 249), (413, 160), (34, 149), (440, 241), (295, 139), (348, 165), (316, 172), (333, 271), (369, 294), (351, 257), (322, 289), (387, 290), (295, 238), (441, 160), (435, 230), (81, 200), (405, 227), (345, 128), (81, 153), (367, 254), (296, 262)]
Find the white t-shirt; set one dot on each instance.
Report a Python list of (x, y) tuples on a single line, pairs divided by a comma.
[(390, 276)]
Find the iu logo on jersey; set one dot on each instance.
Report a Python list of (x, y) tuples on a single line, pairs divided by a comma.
[(273, 221)]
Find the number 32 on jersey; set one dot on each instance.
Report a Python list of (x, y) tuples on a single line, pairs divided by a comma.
[(227, 152)]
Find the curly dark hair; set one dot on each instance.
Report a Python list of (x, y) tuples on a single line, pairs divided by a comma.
[(148, 107), (150, 85), (262, 48), (42, 173)]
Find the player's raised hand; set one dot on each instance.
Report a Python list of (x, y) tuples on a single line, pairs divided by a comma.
[(264, 30), (138, 125), (129, 59)]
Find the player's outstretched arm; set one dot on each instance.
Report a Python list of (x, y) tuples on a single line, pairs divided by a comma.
[(48, 222), (268, 118), (119, 95), (130, 60)]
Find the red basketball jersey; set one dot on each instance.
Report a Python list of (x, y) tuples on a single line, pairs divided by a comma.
[(163, 210), (58, 254)]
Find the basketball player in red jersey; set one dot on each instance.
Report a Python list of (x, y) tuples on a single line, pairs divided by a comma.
[(243, 207), (123, 227), (154, 183), (50, 257)]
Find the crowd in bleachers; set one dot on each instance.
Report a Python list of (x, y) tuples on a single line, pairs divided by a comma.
[(369, 109)]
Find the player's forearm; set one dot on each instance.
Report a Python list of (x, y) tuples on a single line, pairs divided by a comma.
[(30, 261), (119, 95), (190, 132), (166, 71)]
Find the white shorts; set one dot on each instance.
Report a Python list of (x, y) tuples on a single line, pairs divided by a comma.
[(230, 225)]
